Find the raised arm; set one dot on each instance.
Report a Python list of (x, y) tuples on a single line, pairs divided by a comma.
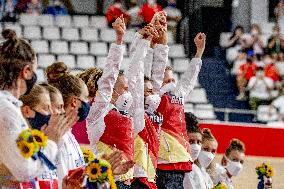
[(161, 52), (22, 169), (189, 78), (100, 107), (135, 77)]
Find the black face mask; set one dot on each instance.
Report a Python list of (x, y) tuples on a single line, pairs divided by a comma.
[(39, 120), (83, 111), (30, 83)]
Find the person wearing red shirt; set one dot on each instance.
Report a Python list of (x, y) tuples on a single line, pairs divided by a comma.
[(270, 70), (114, 11), (246, 72), (148, 10)]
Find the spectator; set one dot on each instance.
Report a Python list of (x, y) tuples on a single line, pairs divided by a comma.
[(242, 57), (148, 10), (21, 6), (173, 16), (133, 13), (278, 103), (276, 42), (234, 44), (114, 11), (270, 70), (257, 42), (280, 122), (259, 87), (9, 12), (279, 13), (34, 7), (246, 72), (57, 8)]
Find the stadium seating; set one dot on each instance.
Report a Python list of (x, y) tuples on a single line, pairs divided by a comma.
[(83, 42)]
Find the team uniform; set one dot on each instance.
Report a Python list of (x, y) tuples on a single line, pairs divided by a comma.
[(147, 127), (174, 151), (15, 169)]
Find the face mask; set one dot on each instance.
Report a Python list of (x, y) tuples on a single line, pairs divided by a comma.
[(267, 61), (249, 60), (152, 102), (169, 87), (83, 111), (39, 120), (124, 101), (254, 32), (234, 168), (151, 2), (172, 5), (30, 83), (205, 158), (259, 73), (195, 150)]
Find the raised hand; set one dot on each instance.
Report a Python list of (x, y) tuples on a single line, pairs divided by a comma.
[(120, 28), (200, 42), (74, 180), (160, 23), (118, 163)]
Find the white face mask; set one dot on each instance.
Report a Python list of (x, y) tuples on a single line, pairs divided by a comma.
[(267, 61), (124, 101), (195, 150), (169, 87), (234, 168), (205, 158), (151, 2), (152, 102), (254, 32), (260, 73)]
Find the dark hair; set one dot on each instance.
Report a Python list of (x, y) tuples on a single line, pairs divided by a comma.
[(34, 97), (235, 144), (168, 68), (15, 53), (207, 135), (91, 77), (146, 78), (192, 125), (239, 27), (59, 77)]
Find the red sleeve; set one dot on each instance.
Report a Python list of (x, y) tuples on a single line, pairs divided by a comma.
[(163, 105)]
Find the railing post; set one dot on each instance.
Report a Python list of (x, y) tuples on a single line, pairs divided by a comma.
[(226, 115)]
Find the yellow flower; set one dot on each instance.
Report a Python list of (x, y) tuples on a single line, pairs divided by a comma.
[(26, 148), (39, 137), (88, 155), (93, 171)]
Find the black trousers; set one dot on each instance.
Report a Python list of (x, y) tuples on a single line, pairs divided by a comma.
[(137, 184), (170, 179), (121, 185)]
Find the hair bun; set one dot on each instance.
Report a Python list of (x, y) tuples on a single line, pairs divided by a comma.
[(9, 34), (56, 71), (237, 144)]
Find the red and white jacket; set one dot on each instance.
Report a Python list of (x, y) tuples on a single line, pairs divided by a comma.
[(174, 152)]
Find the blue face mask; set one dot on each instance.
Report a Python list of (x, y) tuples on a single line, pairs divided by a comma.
[(39, 120), (83, 111)]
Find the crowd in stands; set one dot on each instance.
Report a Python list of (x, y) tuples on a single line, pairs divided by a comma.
[(258, 68), (9, 9), (138, 16)]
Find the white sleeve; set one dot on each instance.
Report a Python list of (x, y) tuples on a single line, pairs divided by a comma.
[(159, 64), (134, 43), (148, 62), (100, 107), (251, 82), (135, 78), (188, 182), (11, 125), (189, 78)]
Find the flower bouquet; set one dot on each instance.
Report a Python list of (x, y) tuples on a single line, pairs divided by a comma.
[(265, 173), (220, 186), (98, 173), (31, 143)]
